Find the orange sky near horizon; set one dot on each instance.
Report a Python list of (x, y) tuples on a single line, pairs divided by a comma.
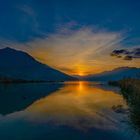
[(81, 52), (86, 68)]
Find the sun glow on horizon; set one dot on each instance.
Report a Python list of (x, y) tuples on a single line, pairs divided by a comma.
[(81, 74), (82, 52)]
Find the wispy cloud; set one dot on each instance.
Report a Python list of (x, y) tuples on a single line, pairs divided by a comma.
[(27, 10), (75, 51), (29, 17)]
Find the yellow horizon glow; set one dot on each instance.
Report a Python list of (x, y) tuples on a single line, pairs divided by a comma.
[(81, 52), (80, 73), (85, 69)]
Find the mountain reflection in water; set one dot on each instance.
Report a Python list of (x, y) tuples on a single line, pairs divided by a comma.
[(78, 105), (76, 111)]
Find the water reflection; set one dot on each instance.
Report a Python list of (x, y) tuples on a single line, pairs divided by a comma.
[(16, 97), (76, 111), (80, 105)]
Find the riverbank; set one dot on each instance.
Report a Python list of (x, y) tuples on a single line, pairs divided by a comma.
[(130, 89)]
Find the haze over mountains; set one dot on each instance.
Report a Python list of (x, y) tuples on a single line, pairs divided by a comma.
[(116, 74), (20, 65)]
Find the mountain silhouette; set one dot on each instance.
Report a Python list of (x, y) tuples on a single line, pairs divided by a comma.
[(17, 64), (116, 74)]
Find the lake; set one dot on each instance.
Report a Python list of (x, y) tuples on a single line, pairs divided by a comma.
[(66, 111)]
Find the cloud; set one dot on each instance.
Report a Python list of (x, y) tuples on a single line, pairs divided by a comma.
[(27, 10), (127, 54), (29, 18), (82, 50), (75, 49)]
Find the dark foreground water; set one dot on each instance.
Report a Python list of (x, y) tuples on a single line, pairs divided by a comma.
[(63, 111)]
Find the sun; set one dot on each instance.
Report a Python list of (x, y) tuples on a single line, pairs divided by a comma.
[(81, 74)]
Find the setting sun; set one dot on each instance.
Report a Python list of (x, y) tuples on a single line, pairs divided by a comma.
[(81, 74)]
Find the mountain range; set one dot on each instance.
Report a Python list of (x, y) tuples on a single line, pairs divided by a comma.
[(116, 74), (15, 64)]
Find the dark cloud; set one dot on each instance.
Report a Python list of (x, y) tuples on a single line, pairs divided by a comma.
[(119, 52), (126, 54), (127, 57)]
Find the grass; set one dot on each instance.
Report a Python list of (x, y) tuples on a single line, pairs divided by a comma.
[(130, 89)]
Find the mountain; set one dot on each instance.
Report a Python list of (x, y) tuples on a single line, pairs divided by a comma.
[(20, 65), (116, 74)]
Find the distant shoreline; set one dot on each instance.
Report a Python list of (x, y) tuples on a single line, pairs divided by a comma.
[(26, 81)]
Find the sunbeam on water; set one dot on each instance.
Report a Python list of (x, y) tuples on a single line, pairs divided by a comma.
[(77, 110)]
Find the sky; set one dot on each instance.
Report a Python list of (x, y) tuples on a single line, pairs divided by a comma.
[(73, 36)]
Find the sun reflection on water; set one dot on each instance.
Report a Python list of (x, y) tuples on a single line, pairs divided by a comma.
[(81, 86), (74, 102)]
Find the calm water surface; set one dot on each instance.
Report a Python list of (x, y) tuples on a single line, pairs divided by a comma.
[(69, 111)]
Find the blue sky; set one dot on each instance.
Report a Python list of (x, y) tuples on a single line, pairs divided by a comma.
[(81, 33), (23, 20)]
